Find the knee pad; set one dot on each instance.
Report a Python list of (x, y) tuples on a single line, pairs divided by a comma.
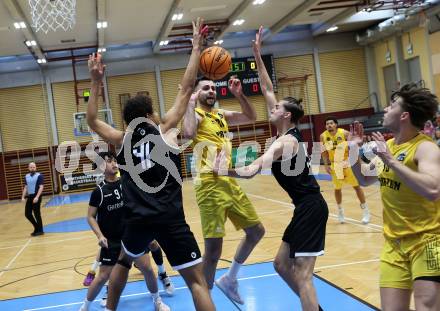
[(124, 262)]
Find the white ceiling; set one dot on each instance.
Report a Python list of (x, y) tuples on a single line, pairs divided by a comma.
[(140, 21)]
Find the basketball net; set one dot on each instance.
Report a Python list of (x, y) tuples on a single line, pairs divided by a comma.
[(53, 14)]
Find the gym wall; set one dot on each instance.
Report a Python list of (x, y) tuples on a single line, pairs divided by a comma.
[(344, 80), (130, 84), (380, 50), (24, 120), (418, 38), (434, 44)]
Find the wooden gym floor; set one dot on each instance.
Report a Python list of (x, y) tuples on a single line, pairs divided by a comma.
[(58, 261)]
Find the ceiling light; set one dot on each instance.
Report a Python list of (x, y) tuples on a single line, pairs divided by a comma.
[(20, 25), (163, 42), (238, 22), (102, 50), (100, 25), (218, 42), (28, 43), (333, 28), (258, 2), (41, 61), (177, 17)]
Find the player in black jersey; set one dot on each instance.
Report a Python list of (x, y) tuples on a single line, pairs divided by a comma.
[(151, 181), (304, 237), (105, 217)]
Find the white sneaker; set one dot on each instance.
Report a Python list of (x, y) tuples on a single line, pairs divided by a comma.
[(167, 284), (229, 287), (341, 217), (83, 307), (159, 305), (365, 215), (103, 302)]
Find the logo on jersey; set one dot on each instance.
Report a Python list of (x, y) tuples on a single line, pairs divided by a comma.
[(401, 156)]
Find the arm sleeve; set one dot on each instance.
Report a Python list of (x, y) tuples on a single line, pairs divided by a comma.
[(95, 198), (40, 181)]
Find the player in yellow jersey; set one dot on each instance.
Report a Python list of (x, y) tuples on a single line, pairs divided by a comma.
[(410, 190), (335, 156), (220, 197)]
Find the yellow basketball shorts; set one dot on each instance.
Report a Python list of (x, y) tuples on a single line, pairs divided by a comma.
[(341, 176), (220, 198), (404, 260)]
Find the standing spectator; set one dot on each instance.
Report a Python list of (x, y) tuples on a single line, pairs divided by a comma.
[(33, 189)]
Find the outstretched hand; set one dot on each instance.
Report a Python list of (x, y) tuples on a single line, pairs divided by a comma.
[(256, 44), (96, 67), (234, 86), (199, 33), (356, 133), (381, 149)]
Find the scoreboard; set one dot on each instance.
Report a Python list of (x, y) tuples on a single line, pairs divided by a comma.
[(246, 70)]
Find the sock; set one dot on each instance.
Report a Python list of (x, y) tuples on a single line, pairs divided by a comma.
[(86, 304), (161, 269), (364, 205), (233, 270), (94, 266), (155, 296), (339, 206), (157, 256)]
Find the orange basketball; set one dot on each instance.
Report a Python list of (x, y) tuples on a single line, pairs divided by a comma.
[(215, 62)]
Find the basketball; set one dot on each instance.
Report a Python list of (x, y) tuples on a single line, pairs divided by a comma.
[(215, 62)]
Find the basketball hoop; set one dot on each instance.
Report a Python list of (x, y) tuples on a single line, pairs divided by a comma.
[(53, 14)]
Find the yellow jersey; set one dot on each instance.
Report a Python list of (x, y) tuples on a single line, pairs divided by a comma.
[(211, 138), (336, 145), (404, 211)]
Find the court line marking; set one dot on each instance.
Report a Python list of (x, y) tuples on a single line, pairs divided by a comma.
[(15, 257), (49, 242), (185, 287), (347, 219)]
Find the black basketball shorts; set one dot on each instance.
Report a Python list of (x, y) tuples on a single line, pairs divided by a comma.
[(305, 233), (175, 239)]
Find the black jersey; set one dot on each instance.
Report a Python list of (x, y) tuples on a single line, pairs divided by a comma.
[(150, 176), (107, 198), (303, 184)]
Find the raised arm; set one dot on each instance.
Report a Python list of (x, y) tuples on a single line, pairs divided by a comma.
[(426, 180), (191, 120), (265, 81), (107, 132), (176, 113), (355, 138), (247, 113), (275, 151)]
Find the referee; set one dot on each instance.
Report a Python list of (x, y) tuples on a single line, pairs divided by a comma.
[(33, 189)]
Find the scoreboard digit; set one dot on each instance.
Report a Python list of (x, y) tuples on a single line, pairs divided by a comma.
[(246, 70)]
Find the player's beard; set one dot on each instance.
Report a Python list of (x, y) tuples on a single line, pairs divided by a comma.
[(206, 101)]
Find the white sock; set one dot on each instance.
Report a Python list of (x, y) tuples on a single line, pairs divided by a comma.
[(86, 304), (94, 266), (340, 206), (155, 296), (160, 268), (233, 270), (364, 205)]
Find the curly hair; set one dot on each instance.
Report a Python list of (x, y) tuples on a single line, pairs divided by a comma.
[(138, 106), (419, 102)]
